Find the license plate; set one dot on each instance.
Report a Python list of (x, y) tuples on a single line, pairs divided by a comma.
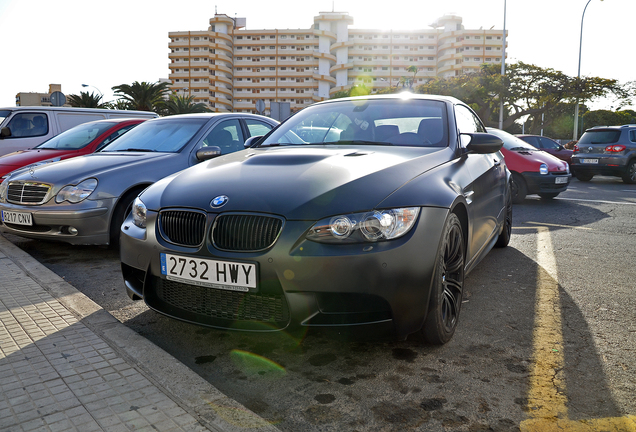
[(17, 218), (225, 275), (561, 180), (589, 161)]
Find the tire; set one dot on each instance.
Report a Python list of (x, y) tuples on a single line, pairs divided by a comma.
[(629, 176), (506, 232), (584, 177), (119, 215), (549, 195), (519, 188), (448, 285)]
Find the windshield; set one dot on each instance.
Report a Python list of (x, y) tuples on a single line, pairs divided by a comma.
[(168, 135), (600, 137), (77, 137), (402, 122), (3, 115), (511, 142)]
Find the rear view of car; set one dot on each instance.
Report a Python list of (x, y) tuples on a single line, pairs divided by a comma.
[(606, 150)]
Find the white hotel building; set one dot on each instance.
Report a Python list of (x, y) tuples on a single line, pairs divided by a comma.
[(229, 68)]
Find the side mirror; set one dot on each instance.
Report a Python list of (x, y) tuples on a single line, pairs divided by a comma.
[(483, 143), (5, 132), (561, 147), (207, 153), (251, 141)]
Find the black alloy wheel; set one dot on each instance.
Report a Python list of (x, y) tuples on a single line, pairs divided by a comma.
[(506, 232), (123, 208), (448, 285), (519, 188), (630, 173)]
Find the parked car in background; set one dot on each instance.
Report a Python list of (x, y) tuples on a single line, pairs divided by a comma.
[(533, 171), (80, 140), (606, 150), (83, 200), (372, 219), (548, 145), (25, 127)]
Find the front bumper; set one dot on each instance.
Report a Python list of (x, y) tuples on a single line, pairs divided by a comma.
[(91, 219), (546, 183), (301, 283)]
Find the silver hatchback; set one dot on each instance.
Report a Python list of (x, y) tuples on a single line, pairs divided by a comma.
[(606, 150)]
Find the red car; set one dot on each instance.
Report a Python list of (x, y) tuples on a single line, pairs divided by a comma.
[(549, 145), (533, 171), (80, 140)]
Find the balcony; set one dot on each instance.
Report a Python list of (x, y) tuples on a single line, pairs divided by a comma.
[(330, 57), (325, 33)]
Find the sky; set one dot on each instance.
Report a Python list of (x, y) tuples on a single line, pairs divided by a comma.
[(104, 44)]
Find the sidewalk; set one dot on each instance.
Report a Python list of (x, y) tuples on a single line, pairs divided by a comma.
[(68, 365)]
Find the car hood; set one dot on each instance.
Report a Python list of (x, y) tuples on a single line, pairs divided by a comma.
[(96, 165), (531, 160), (22, 158), (299, 183)]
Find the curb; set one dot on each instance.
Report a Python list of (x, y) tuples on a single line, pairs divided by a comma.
[(195, 395)]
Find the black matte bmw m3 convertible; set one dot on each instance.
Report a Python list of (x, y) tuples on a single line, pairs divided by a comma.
[(364, 211)]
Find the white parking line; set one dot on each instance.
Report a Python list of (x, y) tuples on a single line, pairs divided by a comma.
[(595, 201)]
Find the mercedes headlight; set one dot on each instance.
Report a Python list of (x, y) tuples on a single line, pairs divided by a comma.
[(370, 226), (76, 193)]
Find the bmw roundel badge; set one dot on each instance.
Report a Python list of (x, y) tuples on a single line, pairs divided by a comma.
[(219, 201)]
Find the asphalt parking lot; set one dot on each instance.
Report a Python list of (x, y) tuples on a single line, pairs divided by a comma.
[(548, 330)]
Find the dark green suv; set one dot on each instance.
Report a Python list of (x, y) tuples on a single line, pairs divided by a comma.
[(606, 150)]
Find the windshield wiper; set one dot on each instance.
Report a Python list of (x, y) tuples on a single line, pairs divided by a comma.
[(362, 142), (134, 150), (522, 149)]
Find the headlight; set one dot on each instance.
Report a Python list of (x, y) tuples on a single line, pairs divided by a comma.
[(139, 213), (3, 188), (364, 227), (76, 193), (543, 169), (567, 168)]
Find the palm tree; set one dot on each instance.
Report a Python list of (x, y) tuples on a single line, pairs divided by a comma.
[(86, 100), (142, 96), (182, 105), (414, 70)]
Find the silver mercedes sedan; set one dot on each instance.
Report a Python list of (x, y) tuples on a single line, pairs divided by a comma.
[(84, 200)]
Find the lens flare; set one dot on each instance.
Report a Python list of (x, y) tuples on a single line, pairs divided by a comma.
[(255, 364)]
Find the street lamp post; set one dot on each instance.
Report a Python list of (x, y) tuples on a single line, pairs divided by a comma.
[(503, 69), (575, 132), (100, 92)]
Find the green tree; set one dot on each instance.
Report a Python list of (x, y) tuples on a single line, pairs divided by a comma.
[(121, 104), (540, 95), (414, 70), (609, 118), (181, 105), (357, 90), (143, 96), (86, 100)]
